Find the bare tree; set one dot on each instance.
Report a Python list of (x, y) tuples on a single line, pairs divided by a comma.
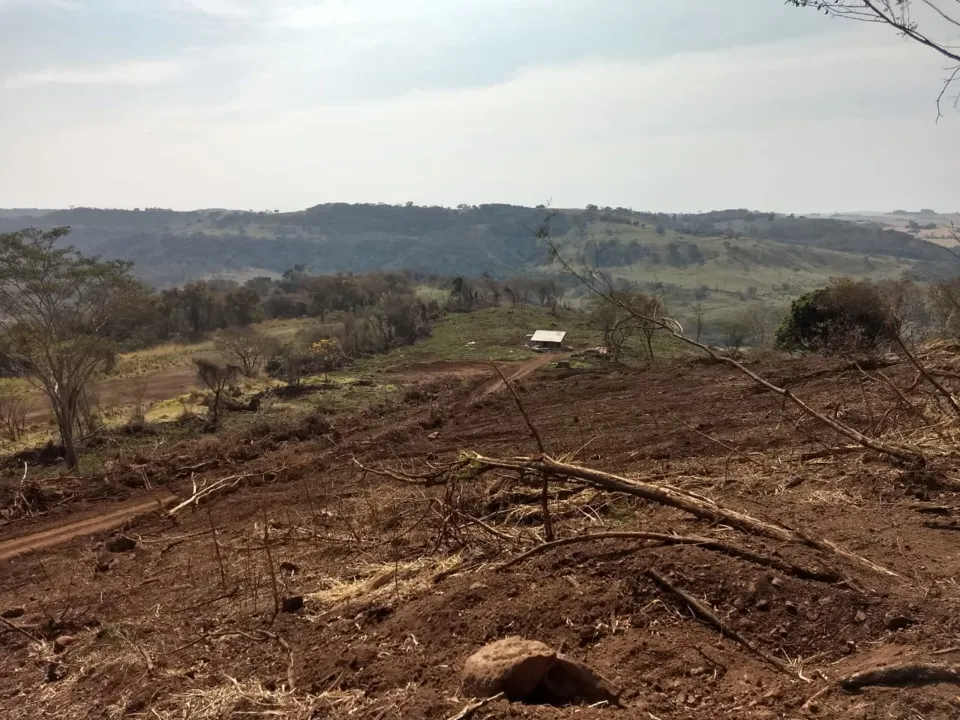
[(13, 409), (55, 306), (217, 378), (698, 317), (246, 346), (927, 22)]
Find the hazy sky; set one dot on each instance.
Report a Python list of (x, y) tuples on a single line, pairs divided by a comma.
[(683, 105)]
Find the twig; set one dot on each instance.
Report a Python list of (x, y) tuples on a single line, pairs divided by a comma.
[(710, 616), (273, 575), (721, 443), (216, 548), (946, 394), (704, 542), (526, 417), (469, 710), (900, 675), (17, 628), (947, 651), (544, 477)]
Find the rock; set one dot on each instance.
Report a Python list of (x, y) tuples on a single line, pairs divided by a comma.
[(121, 544), (791, 607), (763, 605), (860, 617), (13, 613), (434, 435), (777, 582), (513, 666), (896, 621), (63, 642), (292, 603), (529, 670), (570, 681)]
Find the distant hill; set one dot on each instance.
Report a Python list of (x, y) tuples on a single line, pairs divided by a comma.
[(729, 250)]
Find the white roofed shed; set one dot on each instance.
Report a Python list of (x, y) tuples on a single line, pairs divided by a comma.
[(548, 338)]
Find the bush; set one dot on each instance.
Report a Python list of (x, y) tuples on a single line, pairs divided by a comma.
[(845, 316)]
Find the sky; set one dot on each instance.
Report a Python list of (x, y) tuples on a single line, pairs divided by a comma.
[(679, 106)]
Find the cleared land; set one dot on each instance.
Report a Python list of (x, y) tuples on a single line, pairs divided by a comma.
[(400, 583)]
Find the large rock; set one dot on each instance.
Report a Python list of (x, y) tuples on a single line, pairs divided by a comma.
[(513, 666), (527, 670), (570, 681)]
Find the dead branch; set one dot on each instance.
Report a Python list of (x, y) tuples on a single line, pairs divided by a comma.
[(705, 613), (692, 503), (946, 394), (704, 542), (673, 329), (206, 490), (827, 452), (523, 411), (722, 444), (901, 675), (469, 710), (545, 484), (17, 628)]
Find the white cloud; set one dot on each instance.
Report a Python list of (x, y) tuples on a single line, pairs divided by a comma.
[(840, 121), (128, 73)]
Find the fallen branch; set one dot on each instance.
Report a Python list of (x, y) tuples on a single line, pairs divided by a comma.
[(705, 613), (469, 710), (900, 675), (704, 542), (692, 503), (946, 394), (17, 628), (673, 329), (205, 491)]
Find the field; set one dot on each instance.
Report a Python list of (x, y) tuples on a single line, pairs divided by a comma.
[(346, 561)]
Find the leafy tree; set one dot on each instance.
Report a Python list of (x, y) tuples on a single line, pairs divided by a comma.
[(846, 316), (55, 305), (328, 355)]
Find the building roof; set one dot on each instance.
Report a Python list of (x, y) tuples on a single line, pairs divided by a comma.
[(548, 336)]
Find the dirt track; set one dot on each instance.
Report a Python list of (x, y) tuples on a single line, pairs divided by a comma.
[(118, 515), (77, 528)]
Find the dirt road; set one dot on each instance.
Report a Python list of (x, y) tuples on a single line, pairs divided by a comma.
[(87, 526), (122, 513)]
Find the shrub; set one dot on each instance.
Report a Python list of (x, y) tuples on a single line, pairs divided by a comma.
[(845, 316)]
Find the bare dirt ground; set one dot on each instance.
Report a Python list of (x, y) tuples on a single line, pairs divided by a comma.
[(118, 392), (311, 587)]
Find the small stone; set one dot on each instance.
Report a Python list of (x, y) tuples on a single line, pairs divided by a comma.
[(13, 613), (777, 582), (898, 622), (791, 607), (763, 605), (121, 544), (63, 642), (434, 435), (292, 604), (860, 617)]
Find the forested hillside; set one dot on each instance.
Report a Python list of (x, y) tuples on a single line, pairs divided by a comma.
[(719, 249)]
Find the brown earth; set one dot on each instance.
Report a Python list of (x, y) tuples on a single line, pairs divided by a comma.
[(399, 583), (119, 392)]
